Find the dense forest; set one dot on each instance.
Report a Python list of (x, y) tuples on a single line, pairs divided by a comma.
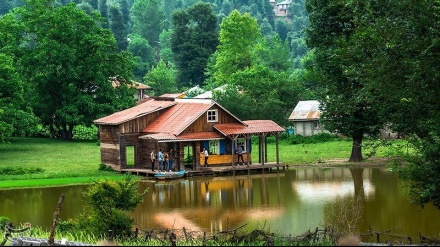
[(170, 45), (371, 64)]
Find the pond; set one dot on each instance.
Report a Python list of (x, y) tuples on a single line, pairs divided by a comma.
[(288, 202)]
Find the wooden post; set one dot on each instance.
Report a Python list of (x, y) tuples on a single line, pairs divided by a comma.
[(277, 149), (55, 221)]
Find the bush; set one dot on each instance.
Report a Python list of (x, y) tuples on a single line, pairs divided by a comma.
[(20, 170), (108, 207), (3, 222), (317, 138), (103, 167)]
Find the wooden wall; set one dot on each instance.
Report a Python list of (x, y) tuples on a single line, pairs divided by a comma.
[(217, 159), (202, 124), (138, 124)]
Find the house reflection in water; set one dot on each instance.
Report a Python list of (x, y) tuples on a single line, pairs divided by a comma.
[(214, 204)]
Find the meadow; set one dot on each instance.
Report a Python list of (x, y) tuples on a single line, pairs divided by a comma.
[(29, 162)]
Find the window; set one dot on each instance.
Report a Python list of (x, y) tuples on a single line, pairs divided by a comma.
[(241, 141), (212, 116), (214, 147), (316, 124)]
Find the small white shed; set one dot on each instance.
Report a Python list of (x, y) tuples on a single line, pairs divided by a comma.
[(305, 118)]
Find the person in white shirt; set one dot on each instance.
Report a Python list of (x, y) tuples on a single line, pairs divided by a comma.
[(153, 159), (205, 152)]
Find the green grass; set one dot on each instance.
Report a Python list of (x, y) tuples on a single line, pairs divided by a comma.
[(306, 154), (62, 162), (30, 162)]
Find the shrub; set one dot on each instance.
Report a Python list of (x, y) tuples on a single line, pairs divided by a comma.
[(108, 205), (103, 167), (20, 170), (3, 222)]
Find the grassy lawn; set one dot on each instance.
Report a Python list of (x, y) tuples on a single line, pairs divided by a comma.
[(46, 162), (62, 162)]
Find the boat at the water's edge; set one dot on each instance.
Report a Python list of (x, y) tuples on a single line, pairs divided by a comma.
[(169, 175)]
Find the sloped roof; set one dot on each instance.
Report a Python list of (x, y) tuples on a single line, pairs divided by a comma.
[(134, 112), (305, 111), (173, 95), (178, 118), (249, 127)]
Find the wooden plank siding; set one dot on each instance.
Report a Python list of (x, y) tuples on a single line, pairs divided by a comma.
[(225, 159), (202, 124)]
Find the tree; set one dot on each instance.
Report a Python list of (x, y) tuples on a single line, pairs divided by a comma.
[(251, 85), (239, 35), (71, 66), (144, 56), (402, 60), (148, 20), (118, 28), (347, 103), (194, 39), (162, 79), (103, 9)]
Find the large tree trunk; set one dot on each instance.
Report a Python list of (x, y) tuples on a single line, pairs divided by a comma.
[(67, 132), (356, 149)]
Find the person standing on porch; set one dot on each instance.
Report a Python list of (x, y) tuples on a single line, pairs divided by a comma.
[(160, 159), (153, 159), (240, 154), (205, 152), (171, 159), (166, 158)]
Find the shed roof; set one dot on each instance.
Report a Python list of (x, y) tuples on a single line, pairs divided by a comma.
[(305, 110), (135, 112), (176, 119)]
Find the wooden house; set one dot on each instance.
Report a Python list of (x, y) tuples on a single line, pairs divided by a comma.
[(170, 122)]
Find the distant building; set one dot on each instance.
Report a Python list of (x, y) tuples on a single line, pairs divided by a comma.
[(305, 118), (280, 9)]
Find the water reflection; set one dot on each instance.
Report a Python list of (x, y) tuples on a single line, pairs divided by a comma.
[(290, 202)]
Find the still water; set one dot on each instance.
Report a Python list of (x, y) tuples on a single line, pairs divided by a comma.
[(288, 202)]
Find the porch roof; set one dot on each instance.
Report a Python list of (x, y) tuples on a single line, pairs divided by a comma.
[(250, 127)]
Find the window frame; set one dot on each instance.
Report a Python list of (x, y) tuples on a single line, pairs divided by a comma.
[(215, 147), (212, 116)]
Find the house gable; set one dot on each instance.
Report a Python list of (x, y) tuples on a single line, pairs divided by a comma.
[(201, 124)]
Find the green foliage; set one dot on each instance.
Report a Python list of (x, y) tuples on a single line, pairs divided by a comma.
[(20, 170), (148, 20), (193, 40), (68, 64), (143, 53), (110, 202), (3, 222), (299, 139), (118, 27), (347, 99), (239, 35), (82, 132), (162, 79), (103, 167)]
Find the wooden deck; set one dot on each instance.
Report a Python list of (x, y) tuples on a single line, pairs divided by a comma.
[(214, 170)]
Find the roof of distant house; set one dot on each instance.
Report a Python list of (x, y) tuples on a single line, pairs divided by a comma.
[(305, 110)]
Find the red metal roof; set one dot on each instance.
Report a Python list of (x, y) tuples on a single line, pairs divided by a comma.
[(176, 119), (250, 127), (134, 112)]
